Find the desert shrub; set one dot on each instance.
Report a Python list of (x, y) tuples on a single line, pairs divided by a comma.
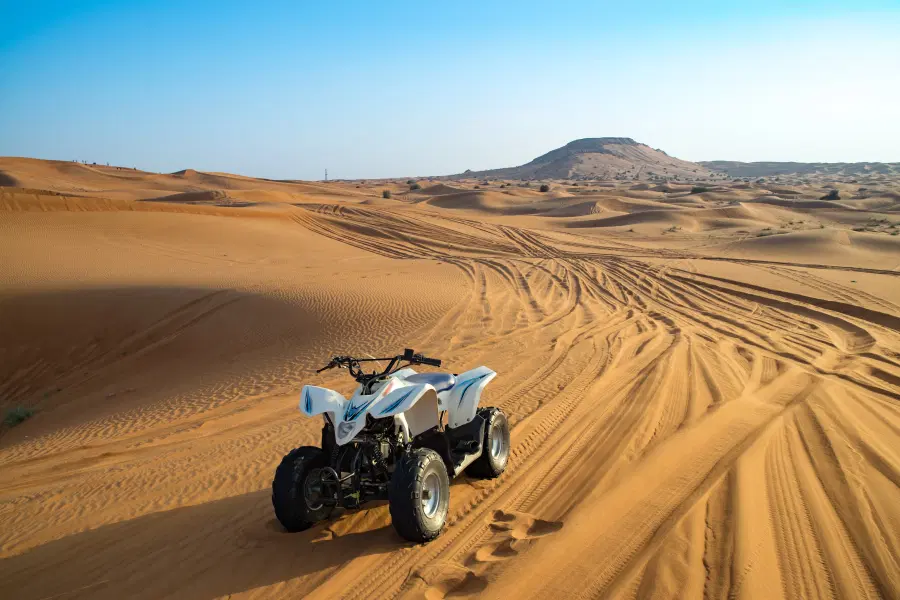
[(415, 186), (17, 415), (699, 189), (477, 187), (386, 194), (410, 181), (832, 195), (545, 187)]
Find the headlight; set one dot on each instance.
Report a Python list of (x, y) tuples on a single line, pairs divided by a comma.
[(345, 429)]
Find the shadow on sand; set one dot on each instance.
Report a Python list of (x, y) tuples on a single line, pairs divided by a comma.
[(196, 552)]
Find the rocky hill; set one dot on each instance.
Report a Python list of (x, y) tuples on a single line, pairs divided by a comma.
[(599, 158)]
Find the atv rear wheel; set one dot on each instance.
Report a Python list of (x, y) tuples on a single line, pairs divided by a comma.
[(494, 446), (298, 495), (420, 495)]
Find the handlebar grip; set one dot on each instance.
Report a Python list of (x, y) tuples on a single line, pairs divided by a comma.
[(434, 362)]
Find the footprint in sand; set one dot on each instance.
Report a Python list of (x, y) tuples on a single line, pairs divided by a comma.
[(510, 534)]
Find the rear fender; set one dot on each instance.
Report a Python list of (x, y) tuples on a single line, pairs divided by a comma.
[(463, 400)]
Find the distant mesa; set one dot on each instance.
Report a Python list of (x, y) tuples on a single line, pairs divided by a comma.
[(599, 158)]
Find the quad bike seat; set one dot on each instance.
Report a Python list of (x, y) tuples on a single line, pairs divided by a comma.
[(441, 382)]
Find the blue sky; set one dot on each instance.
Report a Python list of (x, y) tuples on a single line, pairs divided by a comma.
[(384, 89)]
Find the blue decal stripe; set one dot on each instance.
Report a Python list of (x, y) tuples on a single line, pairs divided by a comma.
[(308, 401), (397, 402), (354, 411), (468, 383)]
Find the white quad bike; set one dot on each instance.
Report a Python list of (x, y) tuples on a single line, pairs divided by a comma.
[(390, 441)]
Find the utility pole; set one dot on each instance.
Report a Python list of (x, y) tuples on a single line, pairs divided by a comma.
[(326, 174)]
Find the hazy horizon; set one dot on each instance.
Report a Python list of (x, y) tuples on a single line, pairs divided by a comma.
[(406, 90)]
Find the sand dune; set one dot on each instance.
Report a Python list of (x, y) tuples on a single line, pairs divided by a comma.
[(703, 407), (486, 202), (441, 188), (842, 248)]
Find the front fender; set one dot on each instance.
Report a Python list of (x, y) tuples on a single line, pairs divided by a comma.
[(399, 400), (416, 406), (317, 400)]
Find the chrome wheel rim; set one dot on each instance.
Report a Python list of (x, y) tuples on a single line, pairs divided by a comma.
[(431, 494), (313, 490), (497, 442)]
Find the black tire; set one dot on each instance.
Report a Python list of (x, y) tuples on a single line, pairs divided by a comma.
[(289, 499), (421, 470), (494, 456)]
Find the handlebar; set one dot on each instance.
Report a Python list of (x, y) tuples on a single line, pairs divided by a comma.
[(418, 359), (349, 362)]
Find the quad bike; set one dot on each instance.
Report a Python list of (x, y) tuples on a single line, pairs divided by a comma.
[(400, 437)]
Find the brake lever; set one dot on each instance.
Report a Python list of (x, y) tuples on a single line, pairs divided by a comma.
[(330, 365)]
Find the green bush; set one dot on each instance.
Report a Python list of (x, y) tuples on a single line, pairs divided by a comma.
[(17, 415), (415, 186), (832, 195), (386, 194), (545, 187), (699, 189)]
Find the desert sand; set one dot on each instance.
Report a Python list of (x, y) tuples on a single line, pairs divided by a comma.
[(703, 385)]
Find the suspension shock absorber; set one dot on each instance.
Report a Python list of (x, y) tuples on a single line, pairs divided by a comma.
[(378, 459), (334, 458)]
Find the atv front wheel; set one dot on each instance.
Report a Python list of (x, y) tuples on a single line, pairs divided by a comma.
[(494, 446), (298, 493), (420, 495)]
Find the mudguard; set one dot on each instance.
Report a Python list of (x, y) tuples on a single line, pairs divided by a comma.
[(394, 398), (317, 400), (400, 400), (414, 408), (344, 414), (462, 401)]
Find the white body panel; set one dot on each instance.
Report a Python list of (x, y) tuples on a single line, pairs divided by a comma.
[(461, 401), (415, 407)]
